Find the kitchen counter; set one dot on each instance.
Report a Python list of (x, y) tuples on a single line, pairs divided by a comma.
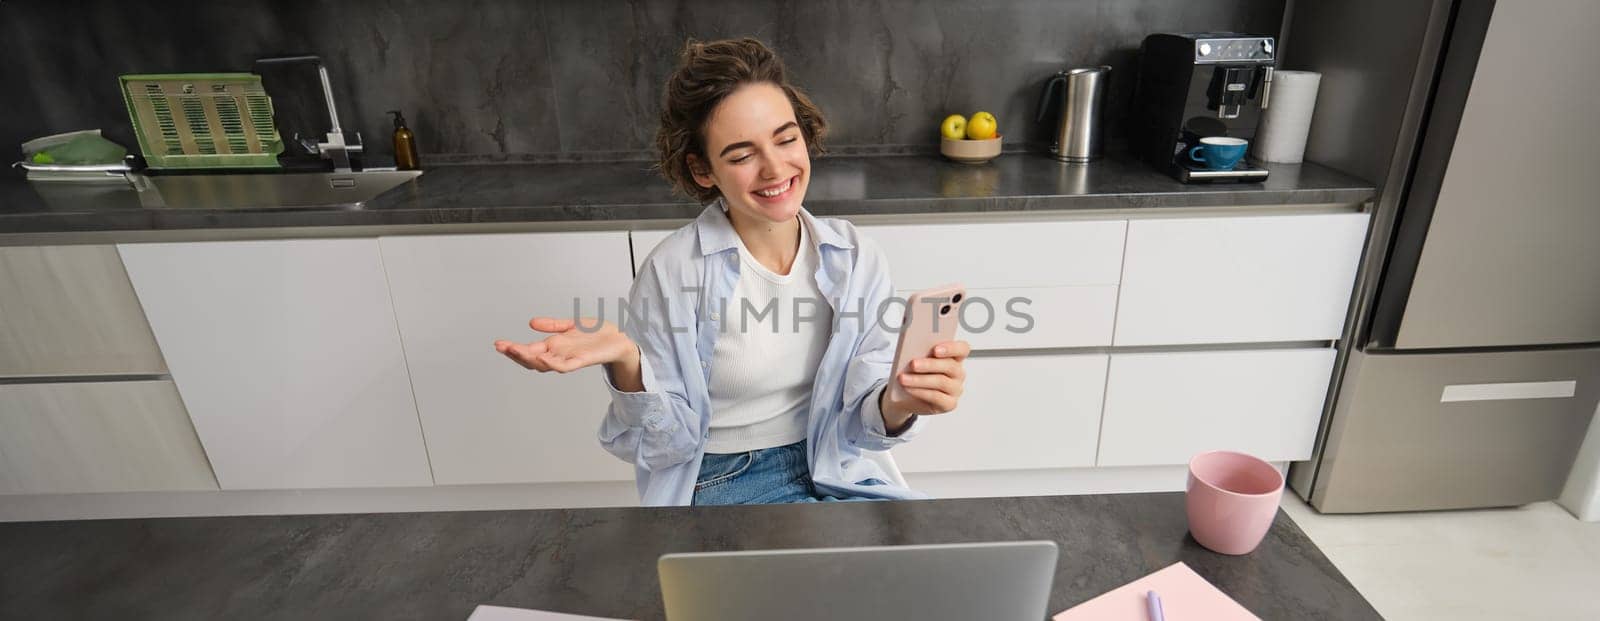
[(592, 195), (598, 561)]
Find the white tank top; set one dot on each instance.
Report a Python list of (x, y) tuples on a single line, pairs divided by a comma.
[(765, 361)]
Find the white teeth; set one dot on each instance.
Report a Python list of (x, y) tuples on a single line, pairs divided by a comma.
[(776, 191)]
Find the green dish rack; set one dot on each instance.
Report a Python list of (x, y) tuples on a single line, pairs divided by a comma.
[(202, 120)]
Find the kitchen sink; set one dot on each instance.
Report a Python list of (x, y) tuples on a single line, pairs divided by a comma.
[(267, 190)]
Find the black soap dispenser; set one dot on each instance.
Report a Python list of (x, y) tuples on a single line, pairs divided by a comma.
[(405, 144)]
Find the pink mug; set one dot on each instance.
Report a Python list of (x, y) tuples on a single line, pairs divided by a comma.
[(1231, 499)]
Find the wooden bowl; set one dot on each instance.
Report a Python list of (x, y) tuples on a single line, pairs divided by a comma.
[(970, 151)]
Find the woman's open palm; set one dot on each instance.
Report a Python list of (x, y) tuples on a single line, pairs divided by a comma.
[(568, 348)]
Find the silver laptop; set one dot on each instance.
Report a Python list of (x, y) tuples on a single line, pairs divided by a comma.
[(998, 581)]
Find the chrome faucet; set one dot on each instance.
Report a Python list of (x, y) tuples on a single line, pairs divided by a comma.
[(333, 148)]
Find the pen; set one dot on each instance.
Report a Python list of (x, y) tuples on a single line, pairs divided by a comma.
[(1154, 602)]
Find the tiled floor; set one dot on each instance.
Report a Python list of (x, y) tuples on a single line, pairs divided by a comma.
[(1531, 562)]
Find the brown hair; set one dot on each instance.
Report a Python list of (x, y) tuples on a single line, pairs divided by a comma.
[(707, 73)]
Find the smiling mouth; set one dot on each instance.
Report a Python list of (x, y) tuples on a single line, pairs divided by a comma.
[(777, 190)]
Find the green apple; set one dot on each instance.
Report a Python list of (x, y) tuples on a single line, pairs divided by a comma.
[(954, 127)]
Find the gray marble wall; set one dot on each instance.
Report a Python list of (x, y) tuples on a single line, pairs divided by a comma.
[(581, 79)]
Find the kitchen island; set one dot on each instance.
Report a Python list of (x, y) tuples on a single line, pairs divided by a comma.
[(599, 561), (1207, 311)]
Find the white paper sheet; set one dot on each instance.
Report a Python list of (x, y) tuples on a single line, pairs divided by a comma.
[(502, 613)]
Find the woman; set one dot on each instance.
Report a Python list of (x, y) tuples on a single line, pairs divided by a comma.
[(712, 402)]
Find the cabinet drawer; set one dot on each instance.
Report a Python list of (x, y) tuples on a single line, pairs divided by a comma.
[(1078, 310), (999, 255), (1164, 408), (642, 243), (1238, 280), (69, 310), (1032, 317), (487, 419), (75, 438), (1017, 412), (1002, 255), (288, 358)]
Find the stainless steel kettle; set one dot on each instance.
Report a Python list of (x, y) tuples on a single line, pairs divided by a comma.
[(1077, 137)]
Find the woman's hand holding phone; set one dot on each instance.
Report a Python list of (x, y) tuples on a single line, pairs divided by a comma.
[(932, 385), (569, 348), (927, 374)]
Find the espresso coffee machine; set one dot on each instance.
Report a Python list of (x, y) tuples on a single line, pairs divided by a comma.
[(1199, 85)]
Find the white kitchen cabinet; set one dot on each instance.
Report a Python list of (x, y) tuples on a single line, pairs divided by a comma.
[(985, 255), (88, 437), (1238, 279), (1031, 317), (1002, 254), (643, 242), (68, 310), (1163, 408), (288, 359), (1016, 412), (1061, 275), (487, 419)]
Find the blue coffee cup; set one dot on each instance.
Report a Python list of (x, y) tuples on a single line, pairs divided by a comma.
[(1219, 152)]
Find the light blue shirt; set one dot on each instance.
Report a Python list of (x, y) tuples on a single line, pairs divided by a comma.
[(674, 314)]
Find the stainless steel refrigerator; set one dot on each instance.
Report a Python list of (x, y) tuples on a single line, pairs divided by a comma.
[(1470, 369)]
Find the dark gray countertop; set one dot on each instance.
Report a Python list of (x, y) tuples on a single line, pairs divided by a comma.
[(616, 191), (598, 561)]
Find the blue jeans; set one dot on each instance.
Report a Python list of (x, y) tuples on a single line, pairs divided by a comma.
[(763, 476)]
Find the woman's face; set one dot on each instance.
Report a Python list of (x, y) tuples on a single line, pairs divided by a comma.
[(758, 157)]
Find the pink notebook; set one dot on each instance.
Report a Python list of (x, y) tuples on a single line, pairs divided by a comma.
[(1185, 596)]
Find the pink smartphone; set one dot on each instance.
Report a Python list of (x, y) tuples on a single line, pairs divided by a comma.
[(932, 316)]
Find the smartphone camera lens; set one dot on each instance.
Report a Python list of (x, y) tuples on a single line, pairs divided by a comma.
[(944, 310), (956, 299)]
